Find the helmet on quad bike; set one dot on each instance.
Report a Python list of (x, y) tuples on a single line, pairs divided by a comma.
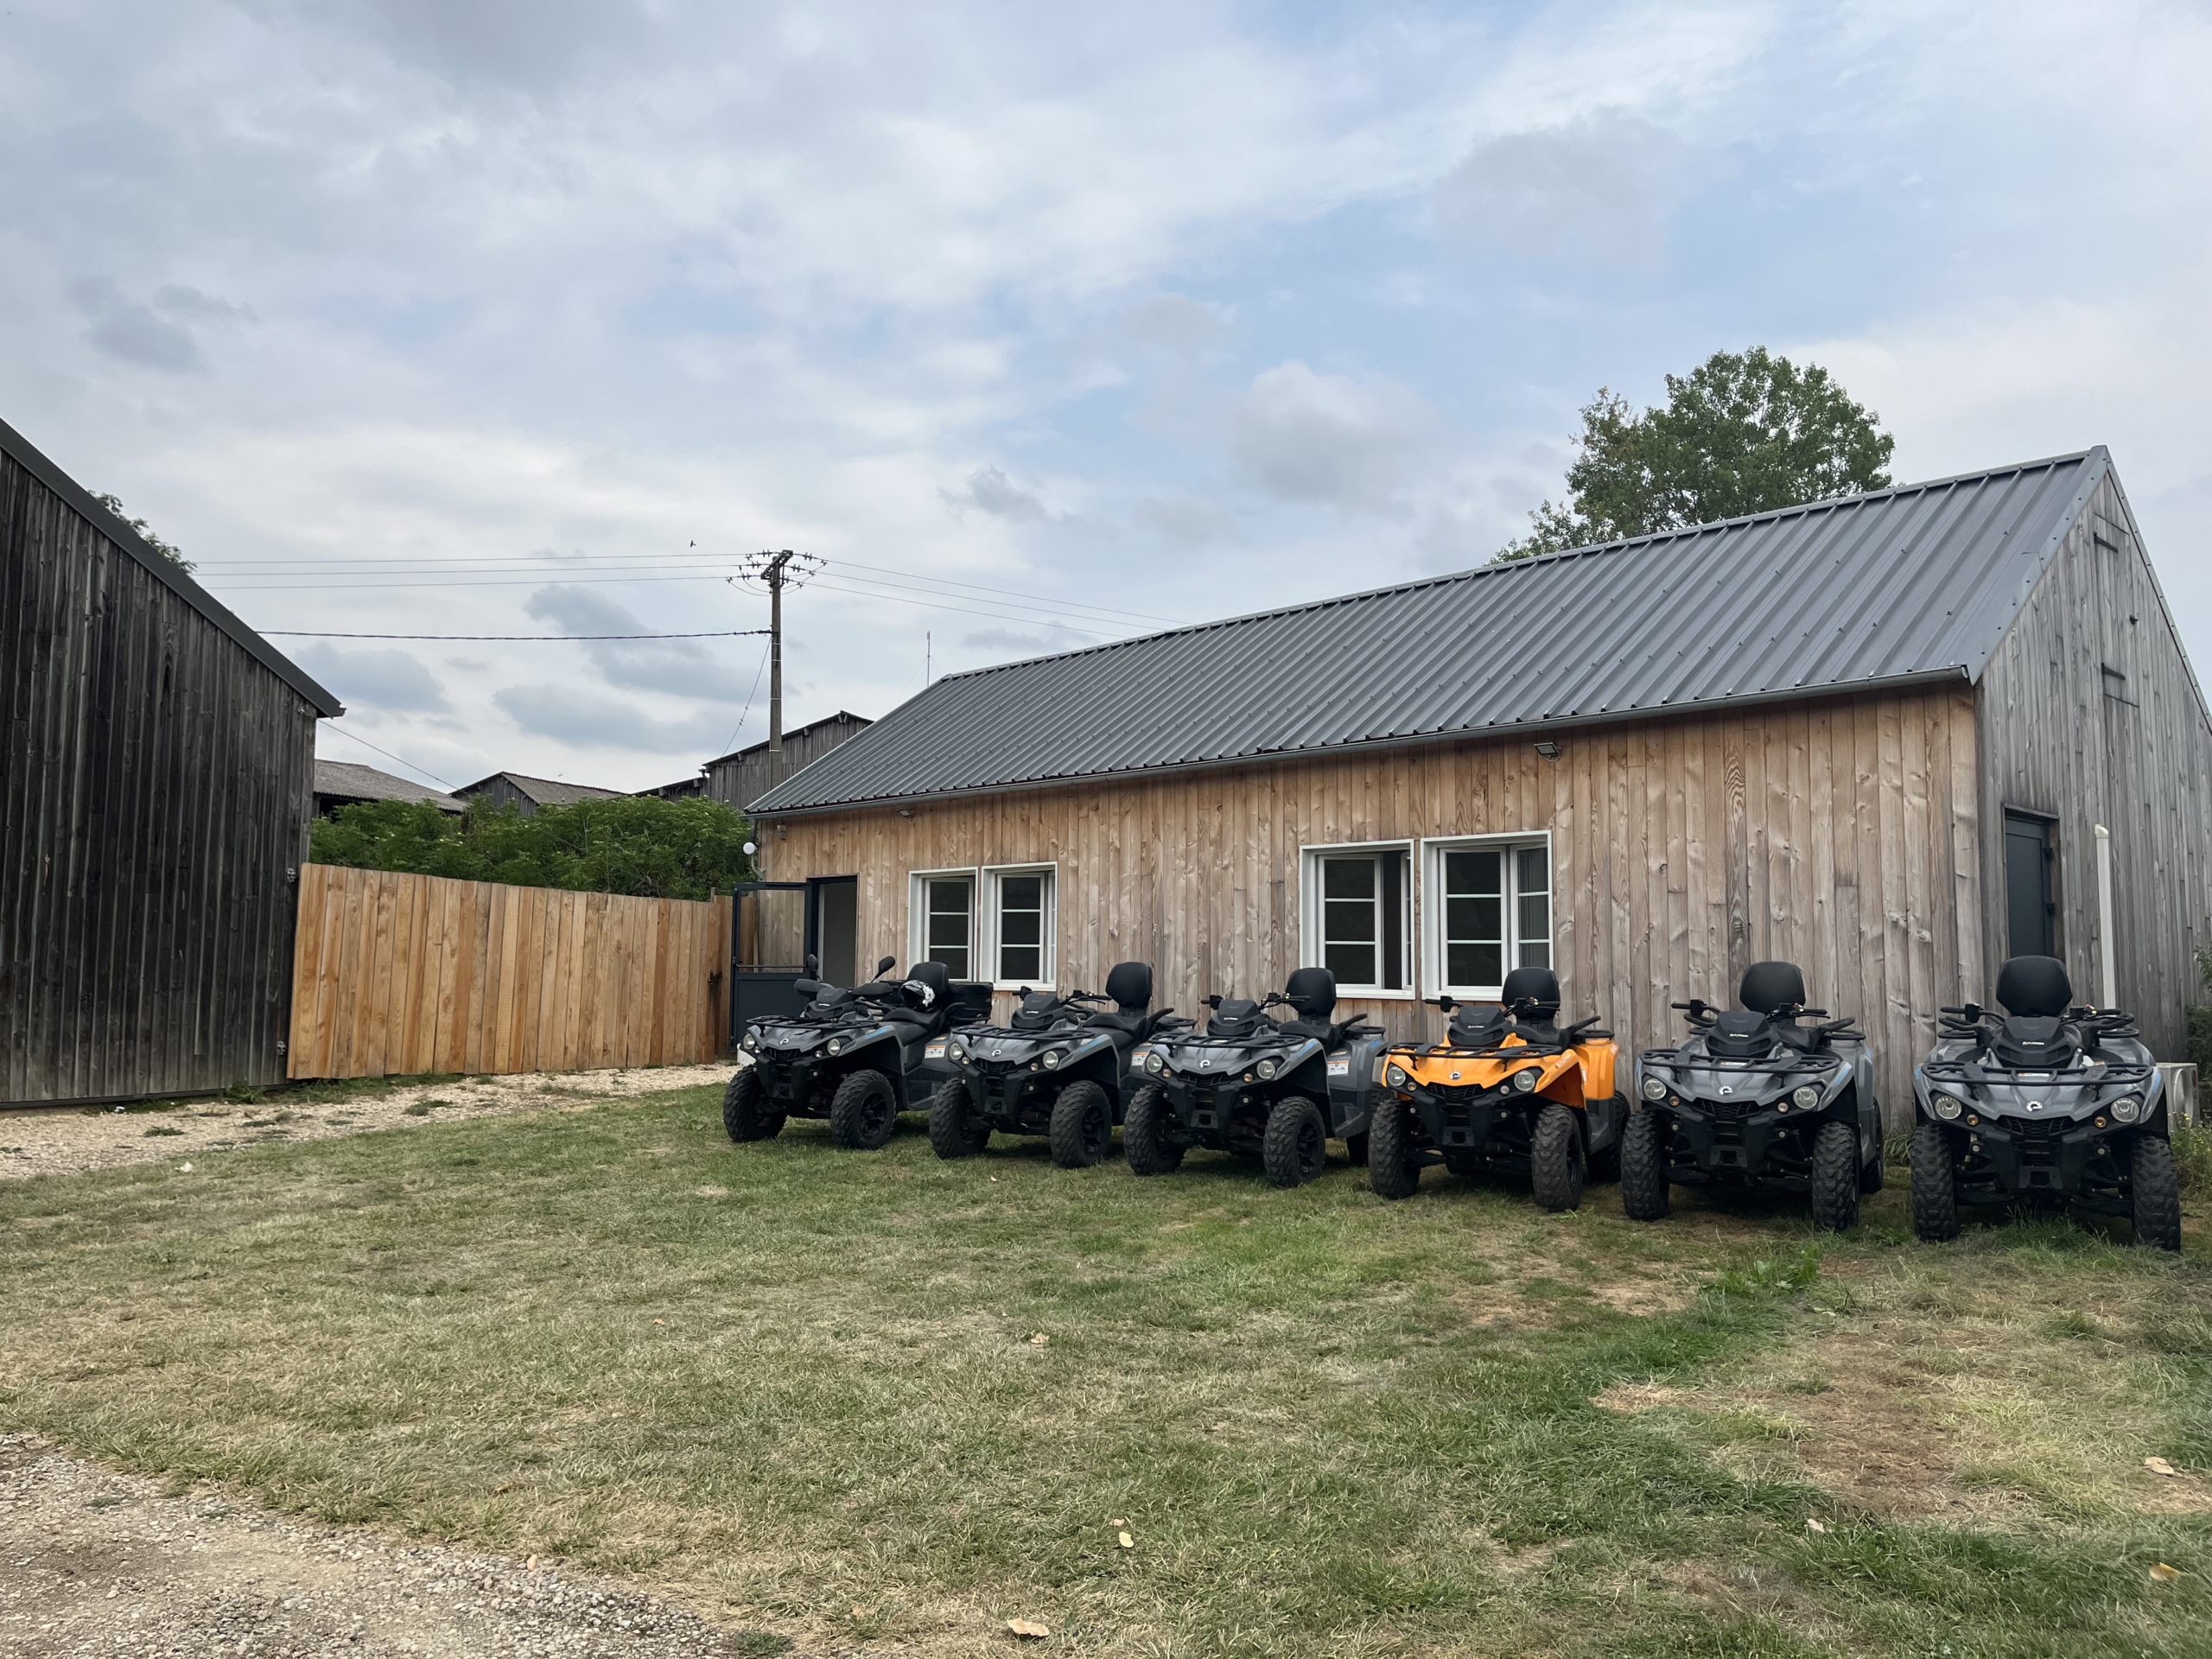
[(2035, 988), (1770, 986)]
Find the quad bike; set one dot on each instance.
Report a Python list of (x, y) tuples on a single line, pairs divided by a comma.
[(2046, 1104), (1059, 1068), (1507, 1089), (1752, 1096), (1252, 1084), (858, 1058)]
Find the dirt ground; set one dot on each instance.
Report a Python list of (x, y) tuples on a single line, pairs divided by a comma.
[(61, 1140), (94, 1563)]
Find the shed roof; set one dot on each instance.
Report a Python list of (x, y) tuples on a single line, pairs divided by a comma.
[(350, 780), (28, 455), (761, 747), (545, 791), (1903, 586)]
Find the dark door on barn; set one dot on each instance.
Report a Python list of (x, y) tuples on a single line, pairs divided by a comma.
[(833, 927), (2030, 916)]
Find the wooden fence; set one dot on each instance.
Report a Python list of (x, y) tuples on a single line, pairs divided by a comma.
[(396, 975)]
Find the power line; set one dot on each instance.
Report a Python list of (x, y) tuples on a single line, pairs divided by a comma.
[(515, 638), (387, 753)]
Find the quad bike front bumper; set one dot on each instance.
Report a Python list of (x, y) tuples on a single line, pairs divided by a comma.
[(1724, 1141), (2064, 1159)]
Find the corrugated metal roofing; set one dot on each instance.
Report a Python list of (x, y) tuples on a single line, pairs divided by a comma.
[(350, 780), (29, 455), (1911, 584)]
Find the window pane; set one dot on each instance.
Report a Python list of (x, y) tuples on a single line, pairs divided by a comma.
[(1352, 964), (1022, 962), (1021, 928), (1535, 929), (1474, 964), (1534, 955), (1533, 871), (945, 923), (1474, 918), (1348, 878)]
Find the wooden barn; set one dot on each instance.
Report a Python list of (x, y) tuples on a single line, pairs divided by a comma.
[(156, 781), (1875, 735), (527, 794)]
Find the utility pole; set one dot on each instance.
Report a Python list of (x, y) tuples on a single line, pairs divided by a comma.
[(773, 574)]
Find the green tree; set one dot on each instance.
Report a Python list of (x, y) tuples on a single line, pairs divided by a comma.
[(633, 844), (1743, 432), (169, 551)]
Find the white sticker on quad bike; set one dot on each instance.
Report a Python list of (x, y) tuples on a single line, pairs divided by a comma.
[(1340, 1068), (933, 1052)]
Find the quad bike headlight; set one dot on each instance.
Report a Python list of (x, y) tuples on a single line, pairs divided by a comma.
[(2127, 1109), (1524, 1080), (1804, 1096), (1267, 1069), (837, 1045), (1155, 1062), (1052, 1058), (955, 1049), (1654, 1089), (750, 1042), (1948, 1107), (1395, 1077)]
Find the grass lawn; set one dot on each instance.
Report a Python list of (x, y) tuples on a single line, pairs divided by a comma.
[(803, 1387)]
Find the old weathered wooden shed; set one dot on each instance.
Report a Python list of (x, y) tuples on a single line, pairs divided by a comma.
[(527, 794), (157, 771), (1874, 735)]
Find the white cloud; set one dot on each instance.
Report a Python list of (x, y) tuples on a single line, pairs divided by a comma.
[(989, 490), (390, 680), (1342, 439)]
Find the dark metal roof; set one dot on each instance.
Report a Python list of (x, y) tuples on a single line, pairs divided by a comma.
[(761, 747), (349, 780), (167, 570), (545, 791), (1905, 585)]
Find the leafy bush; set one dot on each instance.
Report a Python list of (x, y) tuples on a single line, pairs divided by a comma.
[(640, 845)]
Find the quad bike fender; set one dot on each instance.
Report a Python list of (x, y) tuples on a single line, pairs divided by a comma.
[(1351, 1073), (1603, 1118), (879, 1049), (1094, 1060)]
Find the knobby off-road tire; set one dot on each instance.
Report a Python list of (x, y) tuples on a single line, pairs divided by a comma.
[(1295, 1147), (1393, 1165), (863, 1110), (1081, 1131), (1144, 1134), (1555, 1158), (1836, 1177), (1607, 1166), (1646, 1145), (744, 1115), (955, 1130), (1935, 1184), (2157, 1186)]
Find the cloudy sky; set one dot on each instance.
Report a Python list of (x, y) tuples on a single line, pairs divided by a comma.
[(1038, 325)]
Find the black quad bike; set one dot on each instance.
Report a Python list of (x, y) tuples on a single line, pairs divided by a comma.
[(1755, 1097), (1059, 1068), (1509, 1088), (858, 1058), (1252, 1084), (2046, 1105)]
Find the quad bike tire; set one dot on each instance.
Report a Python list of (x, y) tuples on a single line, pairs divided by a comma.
[(1555, 1159), (1935, 1184), (1144, 1134), (1645, 1190), (744, 1114), (1295, 1146), (863, 1111), (1081, 1131), (1836, 1177), (2156, 1193), (954, 1132), (1393, 1163), (1607, 1166)]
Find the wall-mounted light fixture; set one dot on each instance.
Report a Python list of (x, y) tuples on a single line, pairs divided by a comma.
[(906, 812), (1548, 749)]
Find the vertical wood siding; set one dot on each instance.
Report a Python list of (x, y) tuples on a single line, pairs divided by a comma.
[(155, 790), (1842, 835), (399, 975), (2129, 749)]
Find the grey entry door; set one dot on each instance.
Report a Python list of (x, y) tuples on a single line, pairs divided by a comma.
[(836, 927), (767, 951), (2030, 916)]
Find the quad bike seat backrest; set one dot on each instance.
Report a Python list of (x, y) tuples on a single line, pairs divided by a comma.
[(2035, 986), (1129, 987), (1531, 994), (906, 1009), (1771, 987), (1311, 994)]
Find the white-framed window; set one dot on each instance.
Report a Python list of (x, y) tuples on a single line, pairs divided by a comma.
[(1356, 915), (941, 919), (1021, 924), (1488, 911)]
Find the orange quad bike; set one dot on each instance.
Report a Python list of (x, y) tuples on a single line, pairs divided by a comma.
[(1509, 1088)]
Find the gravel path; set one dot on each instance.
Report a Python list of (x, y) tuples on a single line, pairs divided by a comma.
[(94, 1563), (60, 1140)]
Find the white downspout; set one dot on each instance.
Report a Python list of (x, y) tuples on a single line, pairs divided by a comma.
[(2108, 994)]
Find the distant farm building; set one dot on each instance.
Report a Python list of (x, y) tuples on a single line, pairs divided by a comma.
[(528, 794), (344, 783)]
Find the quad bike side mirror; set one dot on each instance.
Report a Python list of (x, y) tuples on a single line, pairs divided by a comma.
[(882, 967), (1213, 1001), (1447, 1004), (813, 965)]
